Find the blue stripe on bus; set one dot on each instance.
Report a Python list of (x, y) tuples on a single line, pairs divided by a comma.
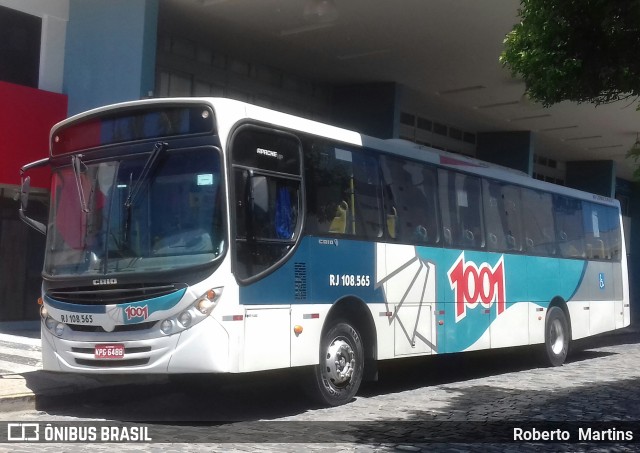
[(319, 266), (77, 308), (155, 304)]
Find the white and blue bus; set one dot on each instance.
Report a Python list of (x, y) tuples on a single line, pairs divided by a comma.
[(213, 236)]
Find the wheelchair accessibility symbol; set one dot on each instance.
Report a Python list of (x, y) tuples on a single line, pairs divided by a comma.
[(601, 280)]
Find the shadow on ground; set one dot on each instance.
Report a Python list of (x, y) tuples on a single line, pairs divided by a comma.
[(215, 400)]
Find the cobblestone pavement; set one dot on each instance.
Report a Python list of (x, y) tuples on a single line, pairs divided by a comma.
[(464, 397)]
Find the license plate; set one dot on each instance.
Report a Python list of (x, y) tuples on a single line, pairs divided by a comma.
[(109, 351)]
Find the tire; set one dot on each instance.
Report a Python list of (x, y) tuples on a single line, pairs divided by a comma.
[(337, 377), (556, 337)]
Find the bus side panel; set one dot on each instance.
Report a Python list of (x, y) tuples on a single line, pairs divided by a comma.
[(484, 298), (511, 327), (409, 284)]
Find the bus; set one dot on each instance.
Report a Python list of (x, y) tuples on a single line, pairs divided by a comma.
[(207, 235)]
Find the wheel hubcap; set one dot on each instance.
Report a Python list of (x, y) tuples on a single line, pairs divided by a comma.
[(556, 336), (340, 362)]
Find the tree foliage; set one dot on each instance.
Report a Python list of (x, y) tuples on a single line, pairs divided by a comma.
[(576, 50)]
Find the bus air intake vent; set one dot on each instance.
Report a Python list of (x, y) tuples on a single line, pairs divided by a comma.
[(300, 281), (111, 363)]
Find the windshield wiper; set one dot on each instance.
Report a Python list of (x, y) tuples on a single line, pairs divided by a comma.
[(77, 164), (148, 169)]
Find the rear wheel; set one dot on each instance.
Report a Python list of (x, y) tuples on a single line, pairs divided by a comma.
[(556, 337), (336, 379)]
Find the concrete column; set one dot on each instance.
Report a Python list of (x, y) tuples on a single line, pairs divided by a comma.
[(513, 149), (371, 108), (110, 52), (595, 176)]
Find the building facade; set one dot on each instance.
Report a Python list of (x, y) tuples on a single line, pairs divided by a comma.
[(61, 57)]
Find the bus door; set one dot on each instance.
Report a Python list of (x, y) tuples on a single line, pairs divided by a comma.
[(267, 195)]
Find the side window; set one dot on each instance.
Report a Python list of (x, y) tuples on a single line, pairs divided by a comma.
[(329, 185), (411, 207), (461, 209), (602, 232), (538, 226), (502, 216), (368, 196), (569, 226), (267, 198), (343, 191)]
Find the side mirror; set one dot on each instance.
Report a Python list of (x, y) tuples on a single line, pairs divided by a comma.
[(25, 189)]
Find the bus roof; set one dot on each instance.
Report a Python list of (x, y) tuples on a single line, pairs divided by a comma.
[(237, 111)]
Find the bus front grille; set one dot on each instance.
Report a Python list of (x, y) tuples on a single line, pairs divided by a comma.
[(115, 295), (120, 328)]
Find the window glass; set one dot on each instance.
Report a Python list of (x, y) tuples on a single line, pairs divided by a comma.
[(20, 36), (502, 216), (569, 226), (267, 210), (344, 192), (368, 196), (258, 148), (539, 230), (411, 208), (328, 186), (267, 204), (461, 209), (176, 221), (602, 232)]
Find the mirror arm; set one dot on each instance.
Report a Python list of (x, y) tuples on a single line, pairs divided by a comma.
[(24, 195)]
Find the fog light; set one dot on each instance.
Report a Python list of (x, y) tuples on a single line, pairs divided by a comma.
[(59, 329), (44, 312), (166, 326), (185, 318)]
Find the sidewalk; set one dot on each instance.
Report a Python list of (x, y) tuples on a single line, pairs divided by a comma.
[(22, 380)]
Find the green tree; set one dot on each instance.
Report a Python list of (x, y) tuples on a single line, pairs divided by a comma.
[(576, 50)]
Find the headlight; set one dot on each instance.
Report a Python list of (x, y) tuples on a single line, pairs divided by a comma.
[(184, 319), (196, 312), (59, 330), (50, 323), (166, 326)]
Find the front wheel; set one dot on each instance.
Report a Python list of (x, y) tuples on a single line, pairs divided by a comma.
[(556, 337), (336, 379)]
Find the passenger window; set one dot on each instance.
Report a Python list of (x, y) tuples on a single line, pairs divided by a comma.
[(461, 209), (344, 192), (411, 207), (602, 232), (368, 196), (502, 216), (569, 226), (538, 226)]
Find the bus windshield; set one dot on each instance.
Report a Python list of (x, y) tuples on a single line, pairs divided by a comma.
[(174, 221)]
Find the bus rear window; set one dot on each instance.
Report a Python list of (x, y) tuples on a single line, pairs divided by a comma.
[(131, 125)]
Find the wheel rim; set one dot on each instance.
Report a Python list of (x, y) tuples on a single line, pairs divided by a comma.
[(340, 362), (556, 335)]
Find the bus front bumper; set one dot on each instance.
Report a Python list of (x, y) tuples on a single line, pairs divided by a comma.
[(204, 348)]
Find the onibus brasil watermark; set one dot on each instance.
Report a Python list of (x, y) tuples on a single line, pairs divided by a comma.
[(48, 432)]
